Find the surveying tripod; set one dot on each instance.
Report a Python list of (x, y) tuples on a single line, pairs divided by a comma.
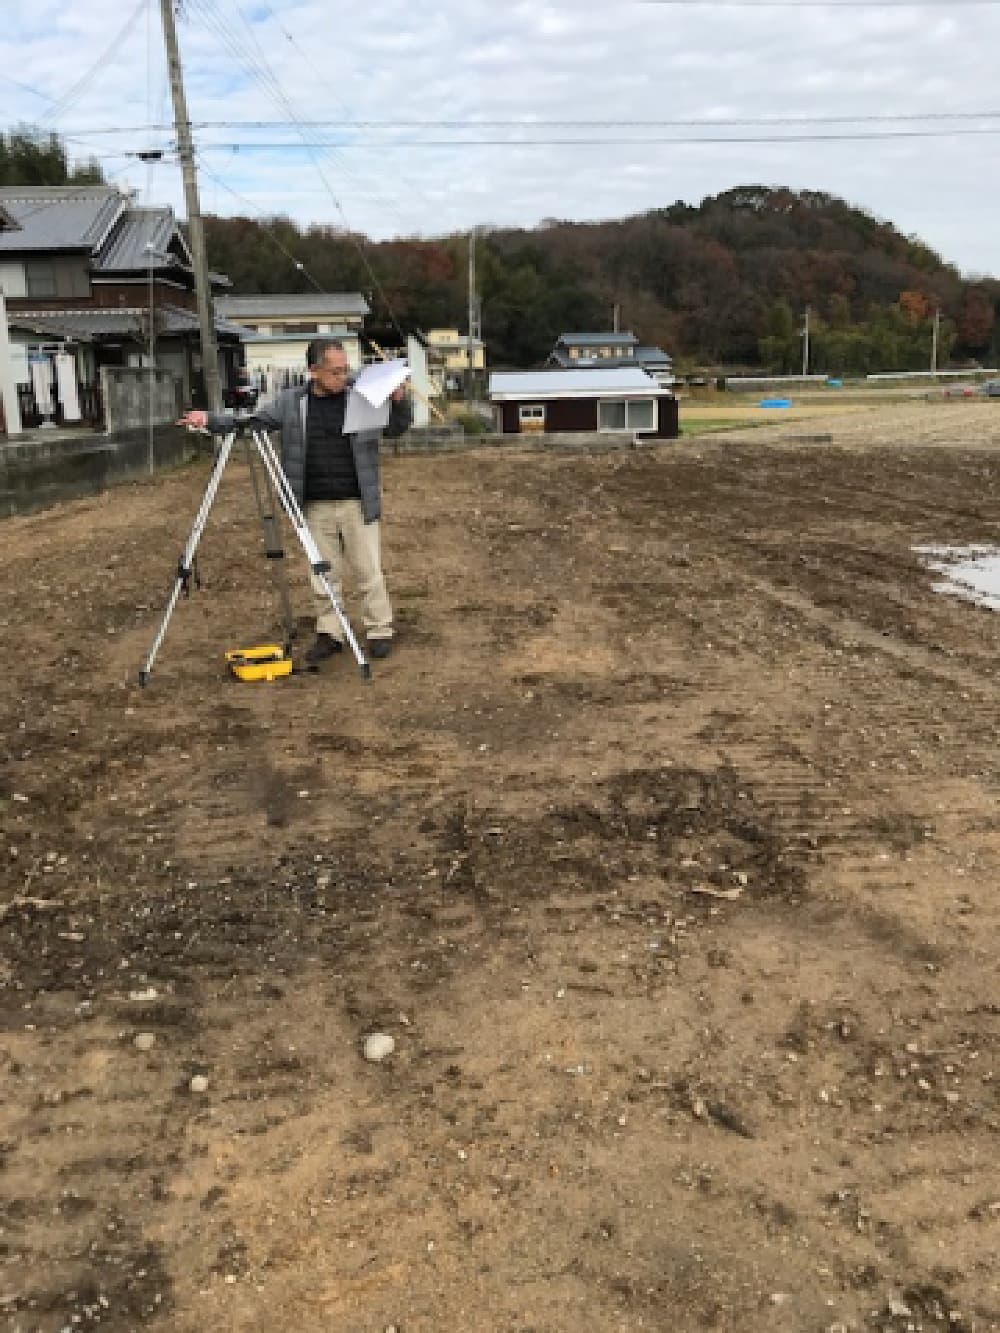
[(276, 484)]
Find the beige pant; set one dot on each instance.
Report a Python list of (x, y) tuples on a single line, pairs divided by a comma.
[(344, 538)]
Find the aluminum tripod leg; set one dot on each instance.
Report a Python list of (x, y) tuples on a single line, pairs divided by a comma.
[(185, 564), (273, 548), (317, 564)]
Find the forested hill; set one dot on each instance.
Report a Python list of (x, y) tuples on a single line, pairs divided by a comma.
[(722, 283)]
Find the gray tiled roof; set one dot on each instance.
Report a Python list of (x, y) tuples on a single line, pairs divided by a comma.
[(86, 325), (315, 304), (598, 339), (125, 249), (570, 383), (641, 357), (56, 217), (653, 354)]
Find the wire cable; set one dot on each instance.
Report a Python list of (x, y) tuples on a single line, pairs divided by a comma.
[(79, 88), (296, 263), (271, 84), (540, 124), (613, 140)]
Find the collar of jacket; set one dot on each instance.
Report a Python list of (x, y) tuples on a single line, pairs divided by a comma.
[(303, 392)]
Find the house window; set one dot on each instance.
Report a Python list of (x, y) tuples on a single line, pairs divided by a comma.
[(611, 414), (531, 416), (40, 278), (300, 328), (638, 414), (46, 278), (641, 414)]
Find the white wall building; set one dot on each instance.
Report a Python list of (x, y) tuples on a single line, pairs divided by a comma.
[(279, 328)]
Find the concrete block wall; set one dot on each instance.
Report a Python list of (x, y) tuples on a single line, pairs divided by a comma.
[(40, 472), (126, 390), (579, 442)]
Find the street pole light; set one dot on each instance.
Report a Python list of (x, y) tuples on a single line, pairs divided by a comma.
[(151, 254)]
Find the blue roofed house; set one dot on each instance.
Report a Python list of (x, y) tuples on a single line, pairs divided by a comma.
[(92, 280), (611, 351)]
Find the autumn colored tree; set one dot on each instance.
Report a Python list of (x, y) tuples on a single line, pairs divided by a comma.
[(722, 282), (915, 305)]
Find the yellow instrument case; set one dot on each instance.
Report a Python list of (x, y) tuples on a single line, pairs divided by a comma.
[(268, 661)]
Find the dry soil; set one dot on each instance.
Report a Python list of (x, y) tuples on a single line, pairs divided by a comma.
[(665, 846)]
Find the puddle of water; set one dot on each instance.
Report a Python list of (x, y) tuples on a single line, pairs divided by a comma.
[(972, 572)]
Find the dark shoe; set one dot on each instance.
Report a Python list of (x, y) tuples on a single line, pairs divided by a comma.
[(378, 648), (325, 646)]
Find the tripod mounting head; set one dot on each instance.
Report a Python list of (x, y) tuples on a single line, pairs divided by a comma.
[(242, 397), (244, 419)]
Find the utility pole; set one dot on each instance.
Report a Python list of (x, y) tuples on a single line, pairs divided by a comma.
[(475, 329), (616, 317), (805, 344), (935, 333), (151, 254), (185, 148)]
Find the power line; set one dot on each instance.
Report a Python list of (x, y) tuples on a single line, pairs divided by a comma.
[(83, 83), (26, 86), (262, 72), (296, 263), (324, 78), (272, 86), (860, 118), (610, 141)]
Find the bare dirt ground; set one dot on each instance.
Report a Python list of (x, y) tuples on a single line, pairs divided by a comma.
[(665, 846)]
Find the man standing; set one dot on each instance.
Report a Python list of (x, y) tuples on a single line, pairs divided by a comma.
[(335, 477)]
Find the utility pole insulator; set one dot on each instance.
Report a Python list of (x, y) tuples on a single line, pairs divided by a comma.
[(185, 148)]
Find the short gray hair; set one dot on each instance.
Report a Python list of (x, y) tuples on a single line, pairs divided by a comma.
[(318, 349)]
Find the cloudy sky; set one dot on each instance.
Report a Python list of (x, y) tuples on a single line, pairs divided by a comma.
[(400, 119)]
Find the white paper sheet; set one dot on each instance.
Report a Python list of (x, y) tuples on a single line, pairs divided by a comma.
[(360, 415), (377, 381)]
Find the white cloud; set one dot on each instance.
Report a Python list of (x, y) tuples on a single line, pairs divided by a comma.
[(529, 61)]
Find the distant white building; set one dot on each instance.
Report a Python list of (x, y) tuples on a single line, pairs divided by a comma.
[(279, 328), (605, 351)]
